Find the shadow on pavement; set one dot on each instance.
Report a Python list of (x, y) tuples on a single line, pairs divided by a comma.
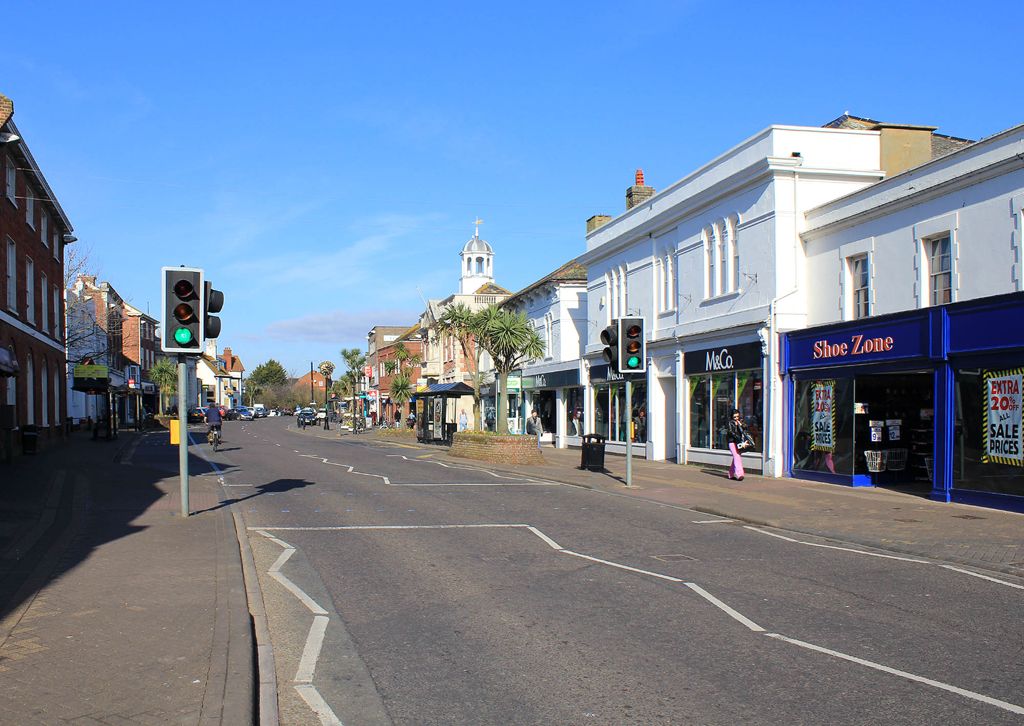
[(275, 487)]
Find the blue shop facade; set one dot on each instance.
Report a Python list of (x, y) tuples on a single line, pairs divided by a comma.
[(928, 400)]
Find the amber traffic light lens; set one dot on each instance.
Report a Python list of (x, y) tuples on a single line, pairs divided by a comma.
[(183, 312), (633, 347)]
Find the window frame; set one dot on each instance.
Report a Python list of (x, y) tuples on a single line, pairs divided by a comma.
[(12, 276), (30, 290), (11, 177), (856, 289), (930, 245)]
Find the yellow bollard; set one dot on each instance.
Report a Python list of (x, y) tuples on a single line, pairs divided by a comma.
[(175, 427)]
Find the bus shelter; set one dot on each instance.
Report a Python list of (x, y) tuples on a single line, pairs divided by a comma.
[(435, 419)]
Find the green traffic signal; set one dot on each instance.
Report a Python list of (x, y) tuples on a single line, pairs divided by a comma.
[(183, 336), (633, 362)]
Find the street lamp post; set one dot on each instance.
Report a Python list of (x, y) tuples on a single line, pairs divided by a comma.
[(327, 414)]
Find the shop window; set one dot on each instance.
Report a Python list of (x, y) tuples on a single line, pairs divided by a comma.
[(823, 438), (700, 412), (723, 396), (749, 401), (980, 464), (940, 270), (574, 411), (610, 416), (601, 422)]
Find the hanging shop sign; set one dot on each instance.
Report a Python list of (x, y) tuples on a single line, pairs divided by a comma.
[(823, 416), (726, 358), (1002, 406)]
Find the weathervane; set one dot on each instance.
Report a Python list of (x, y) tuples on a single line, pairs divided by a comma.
[(477, 222)]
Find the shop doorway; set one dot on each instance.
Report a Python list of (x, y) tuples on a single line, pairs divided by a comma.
[(894, 429)]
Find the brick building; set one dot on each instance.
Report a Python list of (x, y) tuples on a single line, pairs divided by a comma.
[(33, 232), (302, 387), (391, 351)]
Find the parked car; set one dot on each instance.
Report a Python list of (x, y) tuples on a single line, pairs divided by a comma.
[(245, 414), (230, 414), (306, 417), (197, 415)]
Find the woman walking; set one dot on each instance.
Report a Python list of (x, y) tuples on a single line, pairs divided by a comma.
[(737, 436)]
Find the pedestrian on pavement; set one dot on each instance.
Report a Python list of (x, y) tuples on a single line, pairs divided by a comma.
[(737, 437), (463, 421), (534, 426)]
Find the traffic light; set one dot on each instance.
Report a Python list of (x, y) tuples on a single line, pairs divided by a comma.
[(632, 346), (610, 336), (214, 301), (181, 328)]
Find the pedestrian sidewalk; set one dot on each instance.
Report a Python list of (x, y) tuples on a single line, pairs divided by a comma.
[(114, 608), (884, 519)]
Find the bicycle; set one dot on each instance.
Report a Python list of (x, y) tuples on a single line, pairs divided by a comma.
[(213, 437)]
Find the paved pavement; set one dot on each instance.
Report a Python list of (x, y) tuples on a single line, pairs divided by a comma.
[(886, 519), (113, 608)]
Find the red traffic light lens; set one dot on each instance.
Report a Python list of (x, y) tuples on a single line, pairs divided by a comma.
[(633, 331), (183, 312), (184, 289)]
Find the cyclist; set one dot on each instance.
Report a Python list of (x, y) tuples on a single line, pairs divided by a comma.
[(214, 420)]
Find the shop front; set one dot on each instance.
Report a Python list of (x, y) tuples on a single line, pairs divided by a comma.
[(719, 380), (557, 396), (928, 400), (611, 418)]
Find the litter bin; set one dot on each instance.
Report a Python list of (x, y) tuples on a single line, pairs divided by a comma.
[(29, 439), (593, 452)]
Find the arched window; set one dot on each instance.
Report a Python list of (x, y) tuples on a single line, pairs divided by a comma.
[(709, 254), (469, 265), (723, 257), (479, 265), (44, 398), (30, 392), (734, 244)]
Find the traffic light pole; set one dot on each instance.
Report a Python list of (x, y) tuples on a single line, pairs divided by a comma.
[(183, 430), (629, 430)]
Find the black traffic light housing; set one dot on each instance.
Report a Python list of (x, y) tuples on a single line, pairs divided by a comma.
[(181, 324), (213, 302), (610, 336), (632, 355)]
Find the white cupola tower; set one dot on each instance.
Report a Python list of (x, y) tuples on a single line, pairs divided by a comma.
[(477, 263)]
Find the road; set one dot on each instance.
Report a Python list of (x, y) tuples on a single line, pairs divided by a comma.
[(401, 589)]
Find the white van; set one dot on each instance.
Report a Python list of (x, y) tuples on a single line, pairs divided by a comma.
[(259, 410)]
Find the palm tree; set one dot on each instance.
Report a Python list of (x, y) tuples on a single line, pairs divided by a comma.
[(400, 364), (510, 340), (164, 374), (461, 323), (401, 390), (354, 361)]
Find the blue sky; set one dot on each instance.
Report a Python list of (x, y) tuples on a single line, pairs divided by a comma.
[(324, 162)]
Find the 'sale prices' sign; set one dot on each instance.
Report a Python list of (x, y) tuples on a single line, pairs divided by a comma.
[(1002, 438), (823, 416)]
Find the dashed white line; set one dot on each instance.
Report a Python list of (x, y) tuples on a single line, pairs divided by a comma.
[(724, 608), (835, 547), (1011, 707), (983, 577), (310, 654), (711, 521), (316, 702)]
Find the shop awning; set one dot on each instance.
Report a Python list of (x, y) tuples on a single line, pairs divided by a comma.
[(446, 390), (8, 363)]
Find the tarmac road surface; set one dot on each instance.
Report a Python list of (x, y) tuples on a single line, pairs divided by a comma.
[(402, 588)]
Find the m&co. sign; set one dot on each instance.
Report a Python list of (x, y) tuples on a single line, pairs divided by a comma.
[(856, 345)]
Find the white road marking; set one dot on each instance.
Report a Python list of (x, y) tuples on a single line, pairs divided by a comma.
[(723, 607), (316, 702), (622, 567), (835, 547), (711, 521), (1013, 708), (736, 615), (314, 639), (310, 654), (983, 577)]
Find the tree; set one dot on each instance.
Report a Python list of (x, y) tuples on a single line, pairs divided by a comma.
[(354, 362), (510, 340), (461, 323), (401, 387), (326, 369), (271, 373), (164, 373)]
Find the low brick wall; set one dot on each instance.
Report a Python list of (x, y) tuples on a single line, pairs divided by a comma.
[(496, 449)]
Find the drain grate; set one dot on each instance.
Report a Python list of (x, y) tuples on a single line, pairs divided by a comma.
[(674, 558), (967, 516)]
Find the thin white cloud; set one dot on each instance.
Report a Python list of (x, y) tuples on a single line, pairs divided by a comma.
[(338, 326)]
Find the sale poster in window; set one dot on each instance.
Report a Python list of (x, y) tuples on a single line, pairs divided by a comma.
[(823, 416), (1002, 436)]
